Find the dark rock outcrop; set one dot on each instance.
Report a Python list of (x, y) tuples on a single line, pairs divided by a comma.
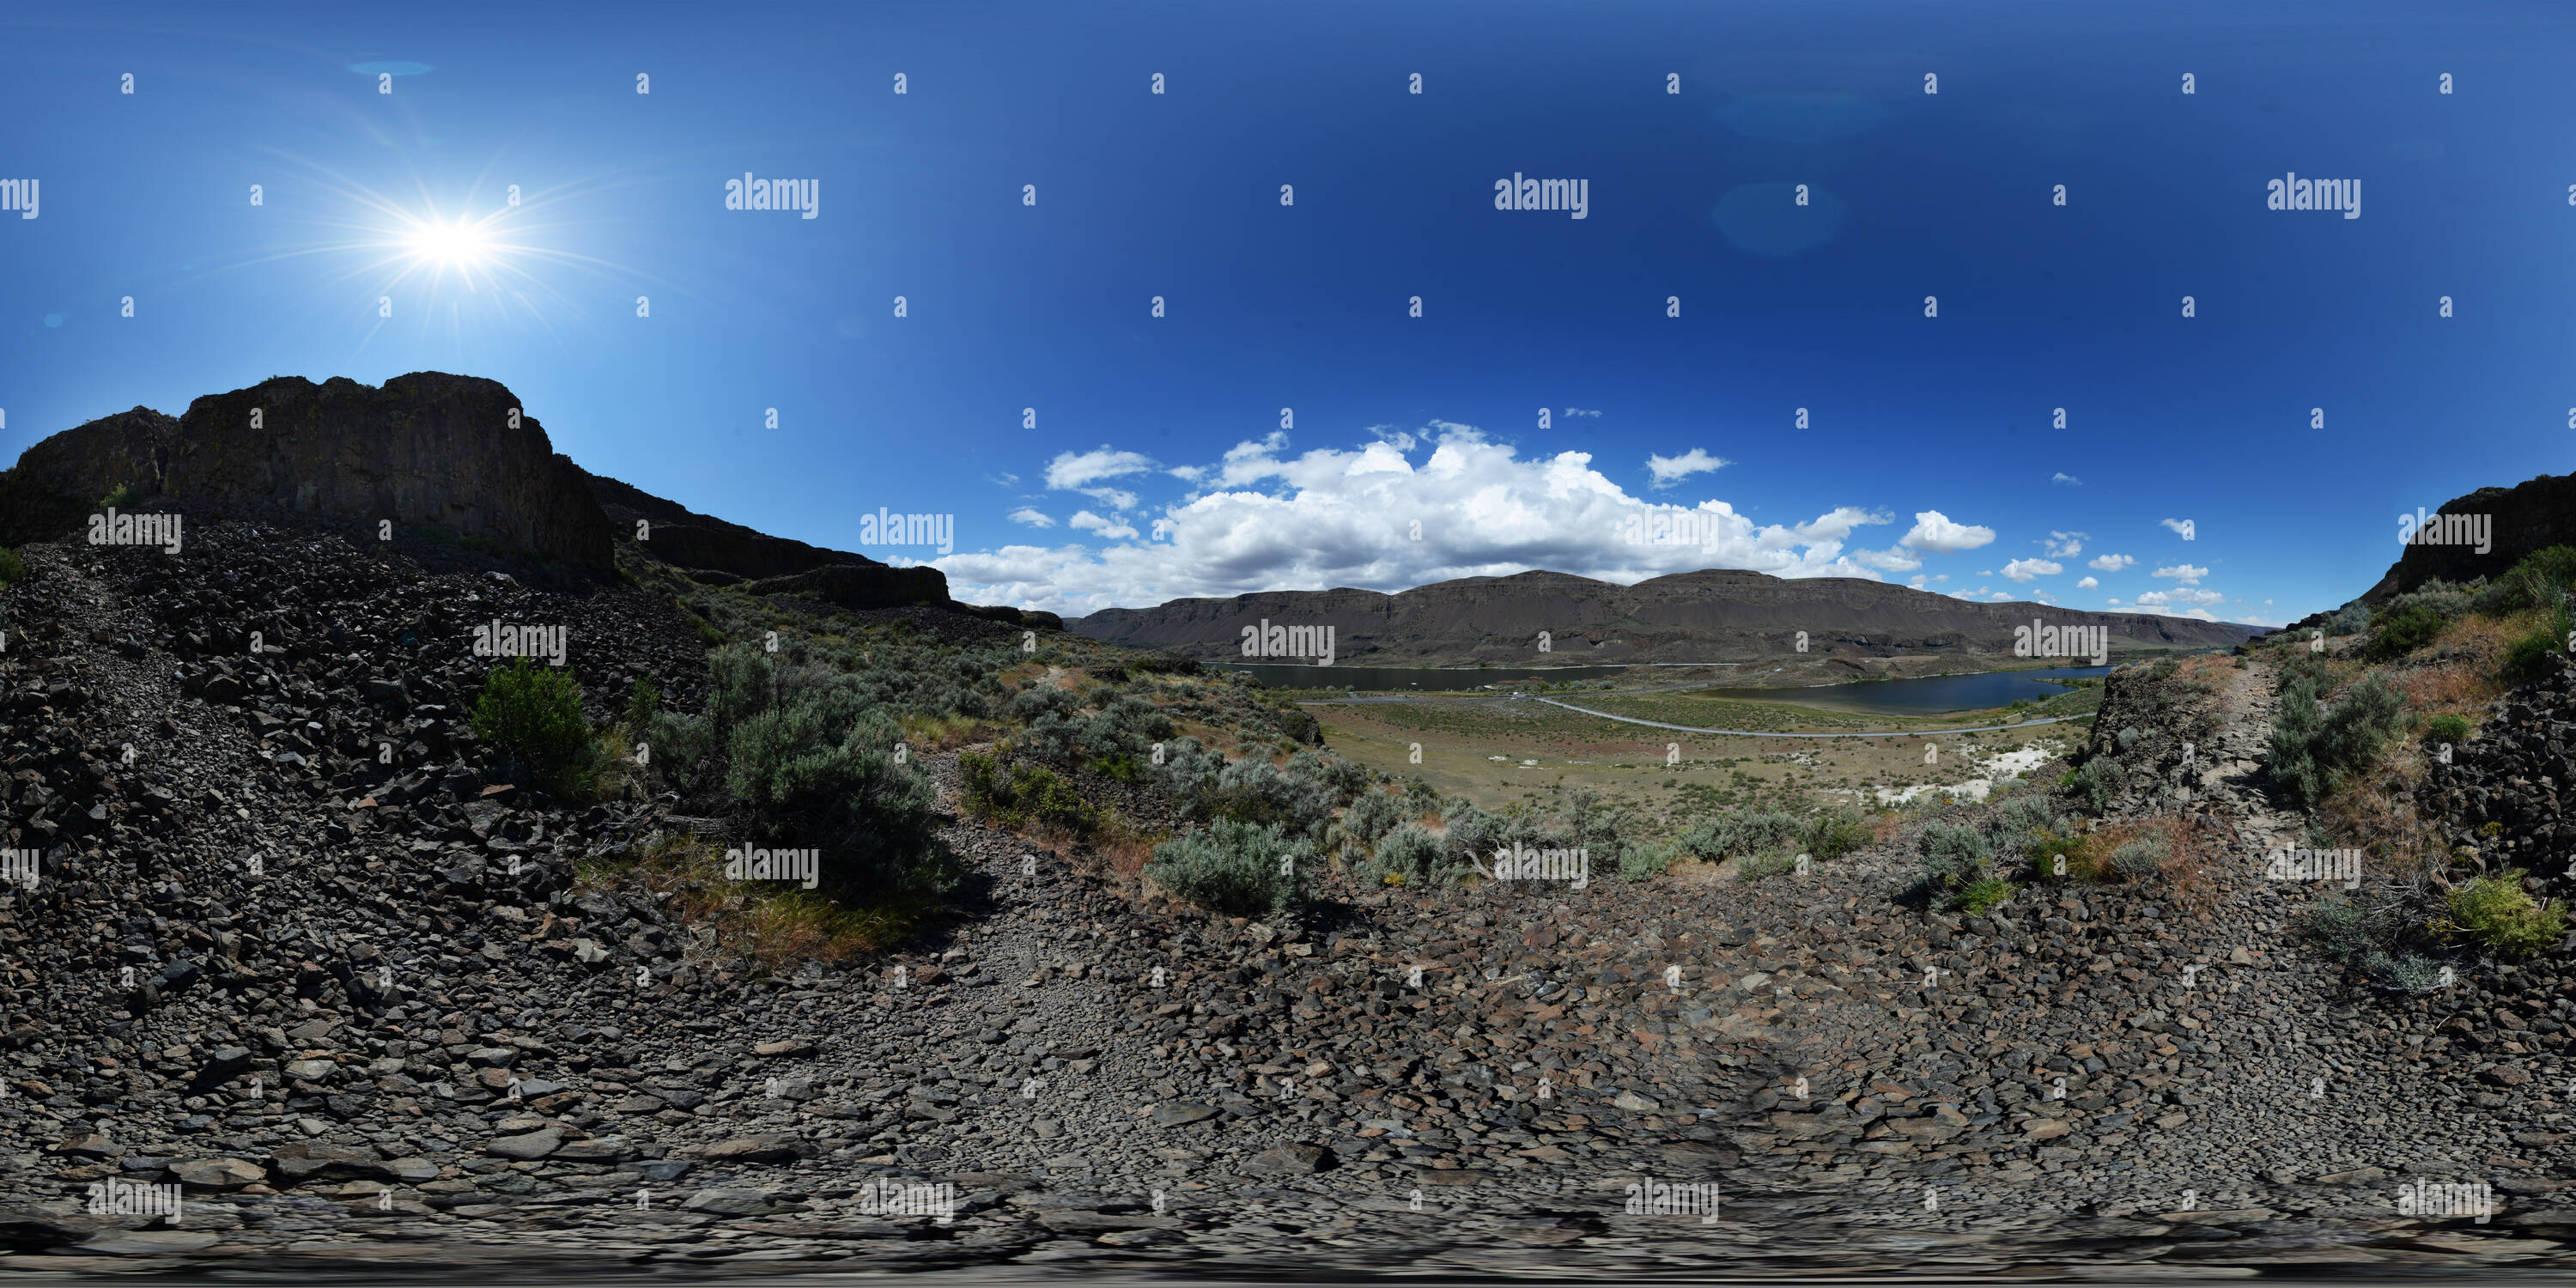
[(2532, 515), (684, 538), (1686, 617), (861, 586), (452, 452), (57, 482), (424, 450)]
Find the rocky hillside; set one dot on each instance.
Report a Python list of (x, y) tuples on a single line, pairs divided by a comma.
[(1713, 615), (362, 1011)]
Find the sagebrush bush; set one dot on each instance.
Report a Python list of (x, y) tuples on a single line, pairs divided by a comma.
[(1740, 835), (12, 568), (807, 749), (2312, 752), (2018, 818), (2411, 971), (123, 498), (1373, 814), (2095, 780), (1953, 856), (2446, 600), (1644, 862), (1409, 856), (2495, 911), (2396, 632), (1240, 869), (2140, 860), (2351, 619), (2448, 728), (532, 715), (2342, 928), (825, 774)]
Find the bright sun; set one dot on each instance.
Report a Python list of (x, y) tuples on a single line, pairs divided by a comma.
[(460, 244)]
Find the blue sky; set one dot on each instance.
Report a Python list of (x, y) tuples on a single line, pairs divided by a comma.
[(1157, 466)]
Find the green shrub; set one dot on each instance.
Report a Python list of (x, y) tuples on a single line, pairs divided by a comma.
[(2059, 856), (2398, 631), (1021, 795), (2538, 651), (1241, 869), (123, 498), (1981, 895), (12, 568), (818, 770), (2496, 912), (2538, 581), (532, 715), (642, 704), (1757, 867), (2351, 619), (2447, 728), (1836, 833)]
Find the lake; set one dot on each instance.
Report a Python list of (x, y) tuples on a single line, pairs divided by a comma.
[(1380, 679), (1923, 696)]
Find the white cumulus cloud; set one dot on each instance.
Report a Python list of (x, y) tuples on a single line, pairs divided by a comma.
[(2111, 563), (2088, 583), (2183, 572), (1935, 532), (1031, 516), (2025, 569), (1395, 513)]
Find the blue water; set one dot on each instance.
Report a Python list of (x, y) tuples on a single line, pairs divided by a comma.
[(1929, 695), (1380, 679)]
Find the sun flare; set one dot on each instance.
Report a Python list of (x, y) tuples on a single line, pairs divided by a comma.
[(460, 244)]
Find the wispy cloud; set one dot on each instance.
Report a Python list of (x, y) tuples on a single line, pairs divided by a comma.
[(1669, 470)]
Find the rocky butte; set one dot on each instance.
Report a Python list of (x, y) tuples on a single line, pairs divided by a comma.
[(430, 450)]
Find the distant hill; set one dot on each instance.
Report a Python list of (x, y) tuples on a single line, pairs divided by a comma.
[(1708, 616)]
